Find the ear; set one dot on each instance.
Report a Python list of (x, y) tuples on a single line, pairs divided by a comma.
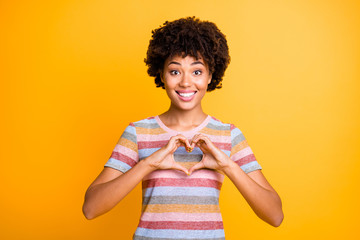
[(210, 78), (161, 76)]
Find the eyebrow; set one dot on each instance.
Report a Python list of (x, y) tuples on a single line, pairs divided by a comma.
[(194, 63)]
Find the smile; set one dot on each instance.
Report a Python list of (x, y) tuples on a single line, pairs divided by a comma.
[(186, 96)]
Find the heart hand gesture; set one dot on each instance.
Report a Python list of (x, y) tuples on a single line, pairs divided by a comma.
[(213, 157), (164, 158)]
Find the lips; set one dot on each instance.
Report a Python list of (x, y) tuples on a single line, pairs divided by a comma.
[(186, 95)]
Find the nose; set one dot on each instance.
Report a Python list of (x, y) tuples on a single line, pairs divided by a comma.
[(185, 80)]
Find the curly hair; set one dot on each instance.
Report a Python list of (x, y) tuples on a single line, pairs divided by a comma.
[(188, 36)]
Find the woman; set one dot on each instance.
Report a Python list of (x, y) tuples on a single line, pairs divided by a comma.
[(182, 155)]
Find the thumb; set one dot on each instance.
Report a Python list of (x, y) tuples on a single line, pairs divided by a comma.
[(197, 166), (179, 167)]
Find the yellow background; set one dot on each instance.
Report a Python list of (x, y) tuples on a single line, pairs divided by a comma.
[(72, 78)]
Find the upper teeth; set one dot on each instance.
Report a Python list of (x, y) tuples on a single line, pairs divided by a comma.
[(186, 94)]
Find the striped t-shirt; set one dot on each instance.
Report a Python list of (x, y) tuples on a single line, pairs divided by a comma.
[(177, 206)]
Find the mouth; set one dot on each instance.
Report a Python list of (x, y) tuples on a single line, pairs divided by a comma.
[(186, 96)]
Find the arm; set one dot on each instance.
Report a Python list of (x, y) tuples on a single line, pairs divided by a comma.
[(254, 187), (259, 194), (111, 186)]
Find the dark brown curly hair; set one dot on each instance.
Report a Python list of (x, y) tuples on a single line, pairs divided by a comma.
[(188, 36)]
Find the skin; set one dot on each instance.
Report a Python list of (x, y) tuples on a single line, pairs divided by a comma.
[(179, 74)]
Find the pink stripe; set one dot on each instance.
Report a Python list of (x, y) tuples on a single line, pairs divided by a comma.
[(166, 136), (151, 144), (189, 217), (159, 137), (219, 139), (203, 225), (242, 153), (126, 151), (202, 173), (224, 146), (245, 160), (174, 182), (159, 144), (121, 157)]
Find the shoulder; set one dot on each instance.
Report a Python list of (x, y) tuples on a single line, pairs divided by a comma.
[(221, 125), (146, 124), (227, 128), (148, 120)]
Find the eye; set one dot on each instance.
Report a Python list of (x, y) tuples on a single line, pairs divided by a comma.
[(197, 72), (174, 72)]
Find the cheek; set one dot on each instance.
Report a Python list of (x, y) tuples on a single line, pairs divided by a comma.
[(203, 84), (168, 83)]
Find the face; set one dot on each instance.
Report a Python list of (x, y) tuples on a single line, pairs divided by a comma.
[(186, 80)]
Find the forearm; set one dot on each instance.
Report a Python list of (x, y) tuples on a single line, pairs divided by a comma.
[(265, 202), (100, 198)]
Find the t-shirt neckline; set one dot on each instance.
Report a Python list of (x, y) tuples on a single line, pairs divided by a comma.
[(192, 131)]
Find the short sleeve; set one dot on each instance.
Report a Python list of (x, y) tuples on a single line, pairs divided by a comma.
[(241, 153), (125, 154)]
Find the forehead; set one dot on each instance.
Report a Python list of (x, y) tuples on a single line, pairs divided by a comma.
[(184, 60)]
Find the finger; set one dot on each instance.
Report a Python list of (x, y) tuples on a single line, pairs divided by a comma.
[(181, 168), (201, 144), (201, 139), (178, 140), (183, 140), (197, 166), (207, 146), (197, 137), (186, 144), (194, 140)]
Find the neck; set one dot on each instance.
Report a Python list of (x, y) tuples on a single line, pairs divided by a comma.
[(180, 117)]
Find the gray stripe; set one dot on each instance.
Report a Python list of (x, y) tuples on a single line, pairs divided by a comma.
[(218, 127), (200, 200), (129, 136), (147, 125), (116, 166), (251, 168), (188, 157), (148, 238), (237, 139)]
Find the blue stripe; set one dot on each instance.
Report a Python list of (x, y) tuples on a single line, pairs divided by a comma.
[(143, 153), (235, 132), (251, 166), (171, 234), (226, 152), (130, 129), (181, 191), (218, 123), (181, 150), (118, 165), (145, 121)]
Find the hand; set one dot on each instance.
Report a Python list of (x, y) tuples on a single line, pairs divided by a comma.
[(213, 157), (164, 158)]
